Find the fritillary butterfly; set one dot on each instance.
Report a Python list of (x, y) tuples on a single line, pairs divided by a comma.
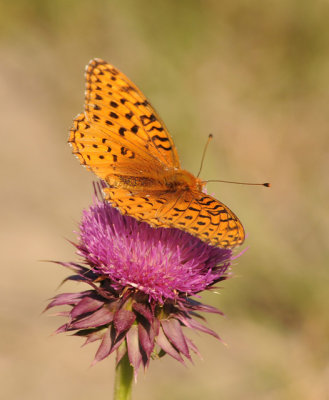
[(123, 141)]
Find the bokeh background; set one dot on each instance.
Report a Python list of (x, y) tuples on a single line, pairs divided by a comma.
[(253, 73)]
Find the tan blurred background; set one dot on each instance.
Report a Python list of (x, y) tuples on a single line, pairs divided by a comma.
[(253, 73)]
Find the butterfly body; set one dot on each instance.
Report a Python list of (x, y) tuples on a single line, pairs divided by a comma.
[(123, 141), (168, 181)]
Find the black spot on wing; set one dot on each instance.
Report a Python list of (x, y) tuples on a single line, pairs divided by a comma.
[(162, 139)]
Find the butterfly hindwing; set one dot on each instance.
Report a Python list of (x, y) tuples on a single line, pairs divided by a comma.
[(194, 212)]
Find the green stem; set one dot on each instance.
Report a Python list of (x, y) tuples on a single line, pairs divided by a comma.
[(123, 379)]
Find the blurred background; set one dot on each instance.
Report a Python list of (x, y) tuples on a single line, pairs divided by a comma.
[(253, 73)]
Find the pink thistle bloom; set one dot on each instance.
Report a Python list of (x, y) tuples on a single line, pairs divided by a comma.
[(142, 281)]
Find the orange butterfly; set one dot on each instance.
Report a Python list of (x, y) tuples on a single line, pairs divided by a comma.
[(123, 141)]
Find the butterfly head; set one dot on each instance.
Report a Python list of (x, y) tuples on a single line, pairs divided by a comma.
[(183, 180)]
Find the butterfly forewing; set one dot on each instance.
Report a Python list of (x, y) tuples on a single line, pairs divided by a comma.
[(112, 99), (107, 153)]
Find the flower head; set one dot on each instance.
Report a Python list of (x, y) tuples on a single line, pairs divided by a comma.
[(142, 280)]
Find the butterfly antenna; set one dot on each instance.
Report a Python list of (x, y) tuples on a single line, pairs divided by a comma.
[(204, 153), (240, 183)]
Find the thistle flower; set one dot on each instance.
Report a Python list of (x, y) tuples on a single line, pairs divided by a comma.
[(142, 281)]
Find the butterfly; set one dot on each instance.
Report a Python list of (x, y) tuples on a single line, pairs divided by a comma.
[(122, 139)]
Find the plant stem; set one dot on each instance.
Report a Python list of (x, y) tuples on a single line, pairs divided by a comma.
[(123, 379)]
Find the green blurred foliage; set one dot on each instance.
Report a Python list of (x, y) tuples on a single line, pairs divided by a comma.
[(254, 73)]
